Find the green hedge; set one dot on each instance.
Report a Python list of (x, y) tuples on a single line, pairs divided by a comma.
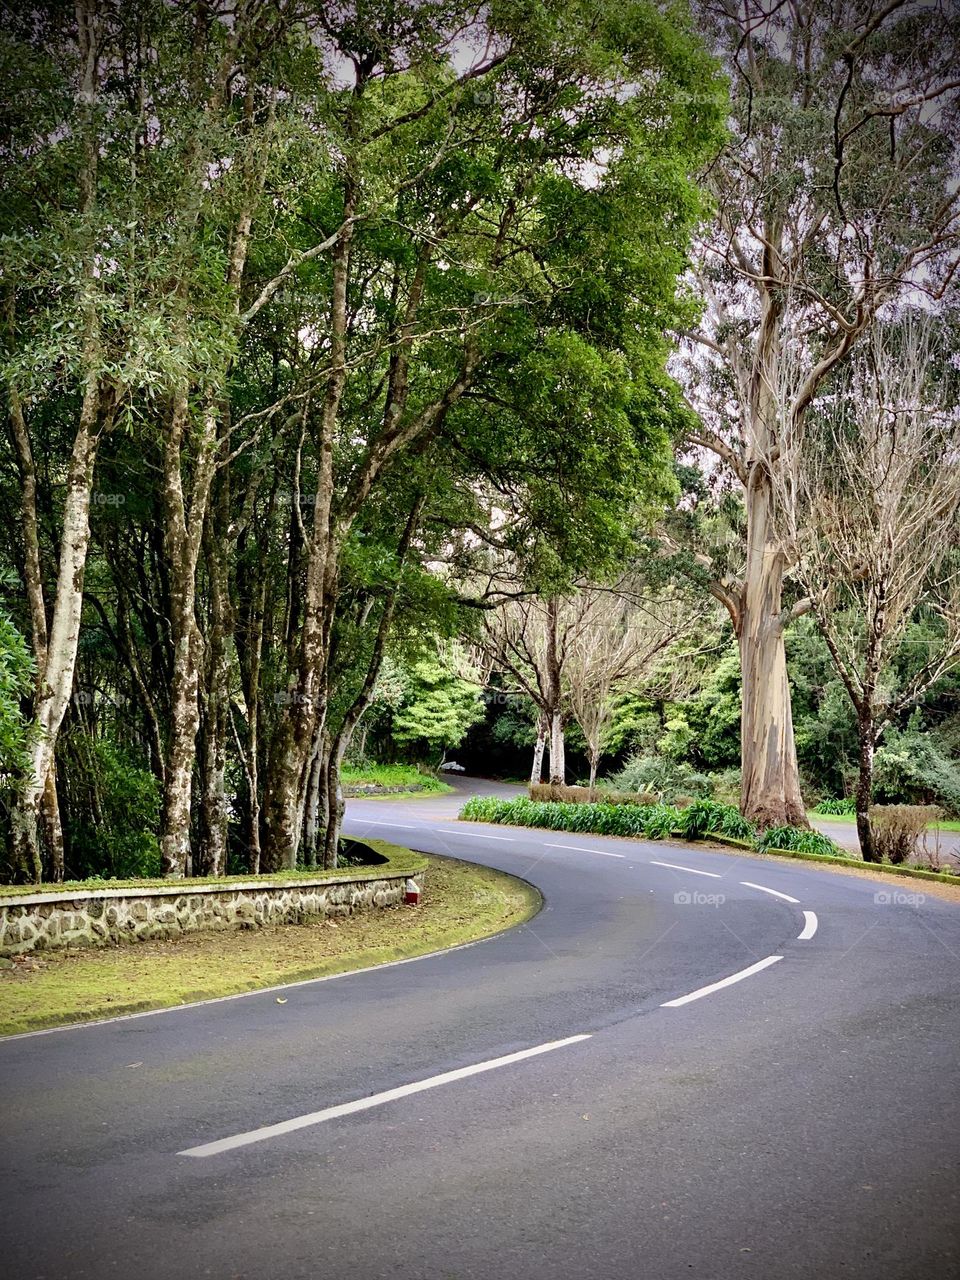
[(652, 822), (704, 818)]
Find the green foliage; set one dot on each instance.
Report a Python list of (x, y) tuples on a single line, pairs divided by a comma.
[(912, 766), (652, 822), (123, 843), (438, 708), (705, 817), (846, 805), (393, 777), (16, 681), (798, 840), (668, 779)]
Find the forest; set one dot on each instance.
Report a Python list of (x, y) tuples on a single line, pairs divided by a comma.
[(553, 389)]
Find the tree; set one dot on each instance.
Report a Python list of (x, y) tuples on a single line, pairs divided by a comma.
[(438, 709), (298, 304), (869, 495), (614, 650), (835, 196)]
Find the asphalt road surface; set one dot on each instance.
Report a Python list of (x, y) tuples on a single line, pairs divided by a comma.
[(586, 1096), (944, 843)]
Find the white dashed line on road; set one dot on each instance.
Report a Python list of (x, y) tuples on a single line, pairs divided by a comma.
[(579, 848), (724, 982), (810, 923), (375, 1100), (693, 871), (775, 892)]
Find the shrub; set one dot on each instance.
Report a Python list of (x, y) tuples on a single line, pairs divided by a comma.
[(897, 829), (652, 821), (709, 816), (548, 792), (846, 805), (912, 767), (124, 843), (726, 786), (798, 840), (667, 779)]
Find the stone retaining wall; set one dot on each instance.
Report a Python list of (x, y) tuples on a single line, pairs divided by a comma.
[(101, 916)]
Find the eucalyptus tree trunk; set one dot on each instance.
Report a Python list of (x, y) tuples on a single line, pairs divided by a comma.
[(770, 788)]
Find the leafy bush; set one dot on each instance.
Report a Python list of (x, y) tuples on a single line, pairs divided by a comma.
[(551, 792), (652, 821), (124, 844), (897, 829), (709, 816), (912, 767), (845, 806), (797, 840), (667, 779), (726, 786)]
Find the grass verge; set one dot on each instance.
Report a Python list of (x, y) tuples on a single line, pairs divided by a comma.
[(461, 903), (396, 780)]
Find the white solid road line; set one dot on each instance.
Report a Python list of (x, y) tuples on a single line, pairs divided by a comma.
[(775, 892), (724, 982), (397, 826), (809, 926), (579, 848), (375, 1100), (693, 871)]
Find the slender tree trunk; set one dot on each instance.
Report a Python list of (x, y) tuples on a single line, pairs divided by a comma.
[(594, 761), (55, 680), (216, 695), (181, 749), (536, 771), (336, 805), (182, 539), (770, 794), (52, 826), (558, 763), (865, 786)]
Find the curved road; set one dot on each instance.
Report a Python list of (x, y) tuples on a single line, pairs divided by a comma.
[(801, 1121)]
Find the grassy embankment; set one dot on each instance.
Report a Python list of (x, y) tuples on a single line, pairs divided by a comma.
[(461, 903)]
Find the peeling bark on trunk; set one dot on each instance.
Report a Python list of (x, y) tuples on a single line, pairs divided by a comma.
[(770, 790)]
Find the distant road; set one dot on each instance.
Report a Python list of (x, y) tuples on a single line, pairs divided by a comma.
[(845, 834), (691, 1063)]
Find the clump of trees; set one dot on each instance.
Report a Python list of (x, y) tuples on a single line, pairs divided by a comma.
[(300, 303)]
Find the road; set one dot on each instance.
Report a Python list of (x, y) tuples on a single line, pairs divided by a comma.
[(801, 1121), (947, 843)]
